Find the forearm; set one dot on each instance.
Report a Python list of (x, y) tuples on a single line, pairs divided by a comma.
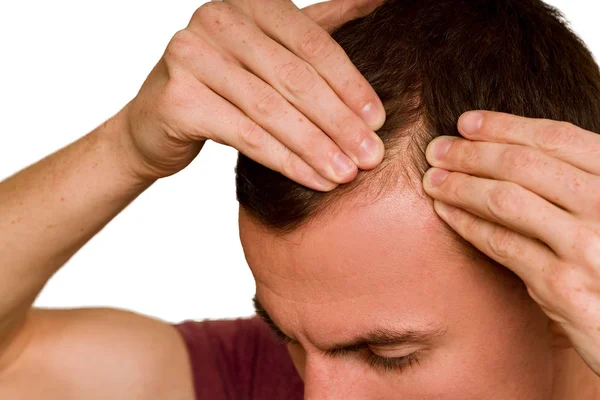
[(51, 209)]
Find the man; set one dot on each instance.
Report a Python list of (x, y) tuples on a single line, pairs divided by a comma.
[(375, 297)]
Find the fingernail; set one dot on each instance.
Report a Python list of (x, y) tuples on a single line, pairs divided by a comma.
[(470, 123), (437, 176), (324, 184), (440, 147), (374, 115), (342, 165), (369, 149)]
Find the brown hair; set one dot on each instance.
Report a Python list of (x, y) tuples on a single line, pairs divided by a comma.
[(430, 61)]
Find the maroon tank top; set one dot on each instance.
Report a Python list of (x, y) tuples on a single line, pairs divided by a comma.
[(239, 360)]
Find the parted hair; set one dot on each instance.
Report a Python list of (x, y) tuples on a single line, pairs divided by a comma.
[(430, 61)]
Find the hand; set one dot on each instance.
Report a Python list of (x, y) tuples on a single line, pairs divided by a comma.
[(265, 78), (527, 193)]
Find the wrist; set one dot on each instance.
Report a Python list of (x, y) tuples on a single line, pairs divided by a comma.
[(114, 135), (148, 153)]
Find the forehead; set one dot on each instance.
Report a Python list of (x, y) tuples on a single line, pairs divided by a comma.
[(367, 262), (396, 239)]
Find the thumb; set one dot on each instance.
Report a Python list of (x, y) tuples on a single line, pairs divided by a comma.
[(331, 14)]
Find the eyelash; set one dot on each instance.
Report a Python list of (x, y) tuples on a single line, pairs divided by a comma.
[(392, 364), (280, 336), (385, 364)]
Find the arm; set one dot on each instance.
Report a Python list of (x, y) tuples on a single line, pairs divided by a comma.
[(51, 209), (47, 212)]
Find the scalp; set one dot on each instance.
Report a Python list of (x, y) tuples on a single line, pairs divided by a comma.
[(430, 61)]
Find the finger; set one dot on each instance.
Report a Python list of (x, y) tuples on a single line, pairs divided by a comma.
[(331, 14), (266, 106), (230, 126), (204, 114), (526, 257), (298, 83), (504, 203), (562, 140), (270, 110), (311, 43), (556, 181)]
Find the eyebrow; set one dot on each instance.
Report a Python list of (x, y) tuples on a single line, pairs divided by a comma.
[(376, 337)]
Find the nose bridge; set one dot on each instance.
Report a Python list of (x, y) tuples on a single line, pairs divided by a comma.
[(327, 378)]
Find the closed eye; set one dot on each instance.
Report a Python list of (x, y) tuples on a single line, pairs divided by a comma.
[(383, 364), (391, 364), (415, 342)]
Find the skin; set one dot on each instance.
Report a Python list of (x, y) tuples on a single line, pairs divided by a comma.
[(527, 193), (391, 264), (52, 207), (302, 76)]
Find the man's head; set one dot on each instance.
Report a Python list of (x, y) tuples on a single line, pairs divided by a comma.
[(368, 273)]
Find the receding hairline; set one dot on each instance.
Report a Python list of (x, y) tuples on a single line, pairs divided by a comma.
[(403, 167)]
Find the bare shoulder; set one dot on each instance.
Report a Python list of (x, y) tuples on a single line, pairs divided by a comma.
[(96, 354)]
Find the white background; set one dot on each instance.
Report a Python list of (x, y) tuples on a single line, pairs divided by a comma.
[(65, 67)]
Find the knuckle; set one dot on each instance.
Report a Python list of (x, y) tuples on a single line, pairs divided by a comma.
[(514, 159), (557, 280), (317, 150), (468, 223), (558, 135), (288, 164), (582, 186), (315, 44), (466, 152), (348, 128), (182, 46), (574, 282), (566, 283), (503, 243), (297, 78), (456, 187), (209, 12), (176, 103), (492, 124), (269, 104), (504, 201), (589, 242), (250, 134)]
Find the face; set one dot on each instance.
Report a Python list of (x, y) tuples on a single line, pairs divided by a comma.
[(379, 302)]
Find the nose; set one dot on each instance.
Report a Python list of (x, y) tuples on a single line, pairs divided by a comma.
[(334, 379)]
